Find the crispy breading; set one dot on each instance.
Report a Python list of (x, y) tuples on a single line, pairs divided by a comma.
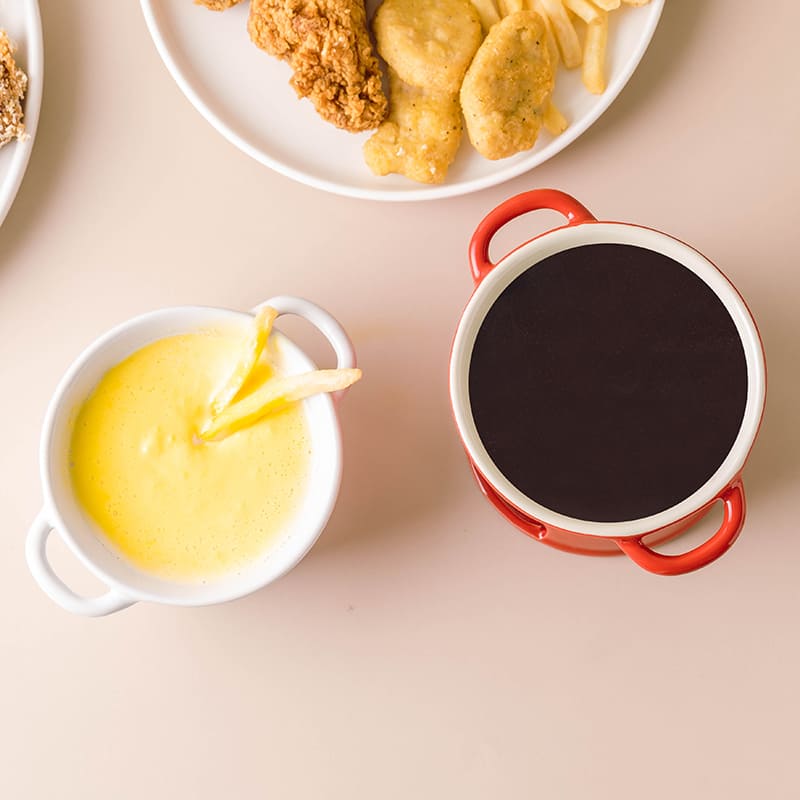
[(13, 83), (420, 138), (328, 46), (507, 86), (217, 5), (429, 44)]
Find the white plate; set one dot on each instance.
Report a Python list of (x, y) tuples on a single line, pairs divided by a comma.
[(20, 19), (244, 94)]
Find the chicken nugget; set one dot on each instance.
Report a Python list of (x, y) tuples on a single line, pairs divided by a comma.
[(217, 5), (420, 138), (429, 44), (507, 86)]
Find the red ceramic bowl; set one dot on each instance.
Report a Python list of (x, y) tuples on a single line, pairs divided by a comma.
[(634, 537)]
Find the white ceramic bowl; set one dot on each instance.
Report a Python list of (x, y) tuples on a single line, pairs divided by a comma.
[(62, 512)]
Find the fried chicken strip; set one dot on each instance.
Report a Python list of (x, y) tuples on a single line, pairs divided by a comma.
[(13, 83), (327, 44)]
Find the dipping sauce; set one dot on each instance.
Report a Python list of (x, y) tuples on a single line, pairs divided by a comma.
[(608, 382), (170, 504)]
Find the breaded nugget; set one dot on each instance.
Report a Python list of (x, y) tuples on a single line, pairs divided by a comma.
[(328, 46), (421, 136), (13, 83), (429, 43), (507, 85), (217, 5)]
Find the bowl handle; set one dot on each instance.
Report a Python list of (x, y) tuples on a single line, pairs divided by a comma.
[(534, 200), (527, 525), (324, 323), (702, 555), (54, 587)]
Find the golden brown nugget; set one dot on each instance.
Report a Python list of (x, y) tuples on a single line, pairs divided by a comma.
[(507, 86), (428, 43), (217, 5), (328, 46), (13, 83), (420, 138)]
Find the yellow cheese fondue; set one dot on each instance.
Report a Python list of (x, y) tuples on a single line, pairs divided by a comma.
[(170, 503)]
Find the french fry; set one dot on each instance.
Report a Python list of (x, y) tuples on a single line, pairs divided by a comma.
[(552, 45), (607, 5), (565, 33), (510, 6), (253, 347), (274, 396), (554, 121), (487, 11), (583, 9), (594, 55), (637, 2)]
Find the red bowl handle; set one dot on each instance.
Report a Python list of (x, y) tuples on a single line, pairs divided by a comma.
[(534, 529), (717, 545), (513, 207)]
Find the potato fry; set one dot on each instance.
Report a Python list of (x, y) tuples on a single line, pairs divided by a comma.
[(552, 45), (488, 13), (637, 2), (254, 346), (594, 55), (273, 396), (607, 5), (554, 121), (510, 6), (565, 33), (583, 9)]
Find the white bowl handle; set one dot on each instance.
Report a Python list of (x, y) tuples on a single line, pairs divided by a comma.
[(55, 588), (324, 322)]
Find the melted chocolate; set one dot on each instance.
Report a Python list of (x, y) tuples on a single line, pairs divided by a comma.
[(608, 382)]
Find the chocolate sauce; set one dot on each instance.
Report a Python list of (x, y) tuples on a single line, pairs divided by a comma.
[(608, 382)]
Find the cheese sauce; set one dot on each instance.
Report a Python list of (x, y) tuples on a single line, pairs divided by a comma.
[(172, 505)]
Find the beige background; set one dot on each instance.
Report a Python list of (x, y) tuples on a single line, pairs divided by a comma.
[(424, 649)]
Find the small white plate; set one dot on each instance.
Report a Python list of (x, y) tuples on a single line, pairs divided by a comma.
[(244, 94), (20, 20)]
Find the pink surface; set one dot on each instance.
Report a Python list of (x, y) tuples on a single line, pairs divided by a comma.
[(424, 648)]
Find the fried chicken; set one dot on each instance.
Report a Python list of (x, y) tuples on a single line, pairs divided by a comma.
[(420, 138), (217, 5), (428, 44), (327, 44), (507, 86), (13, 83)]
